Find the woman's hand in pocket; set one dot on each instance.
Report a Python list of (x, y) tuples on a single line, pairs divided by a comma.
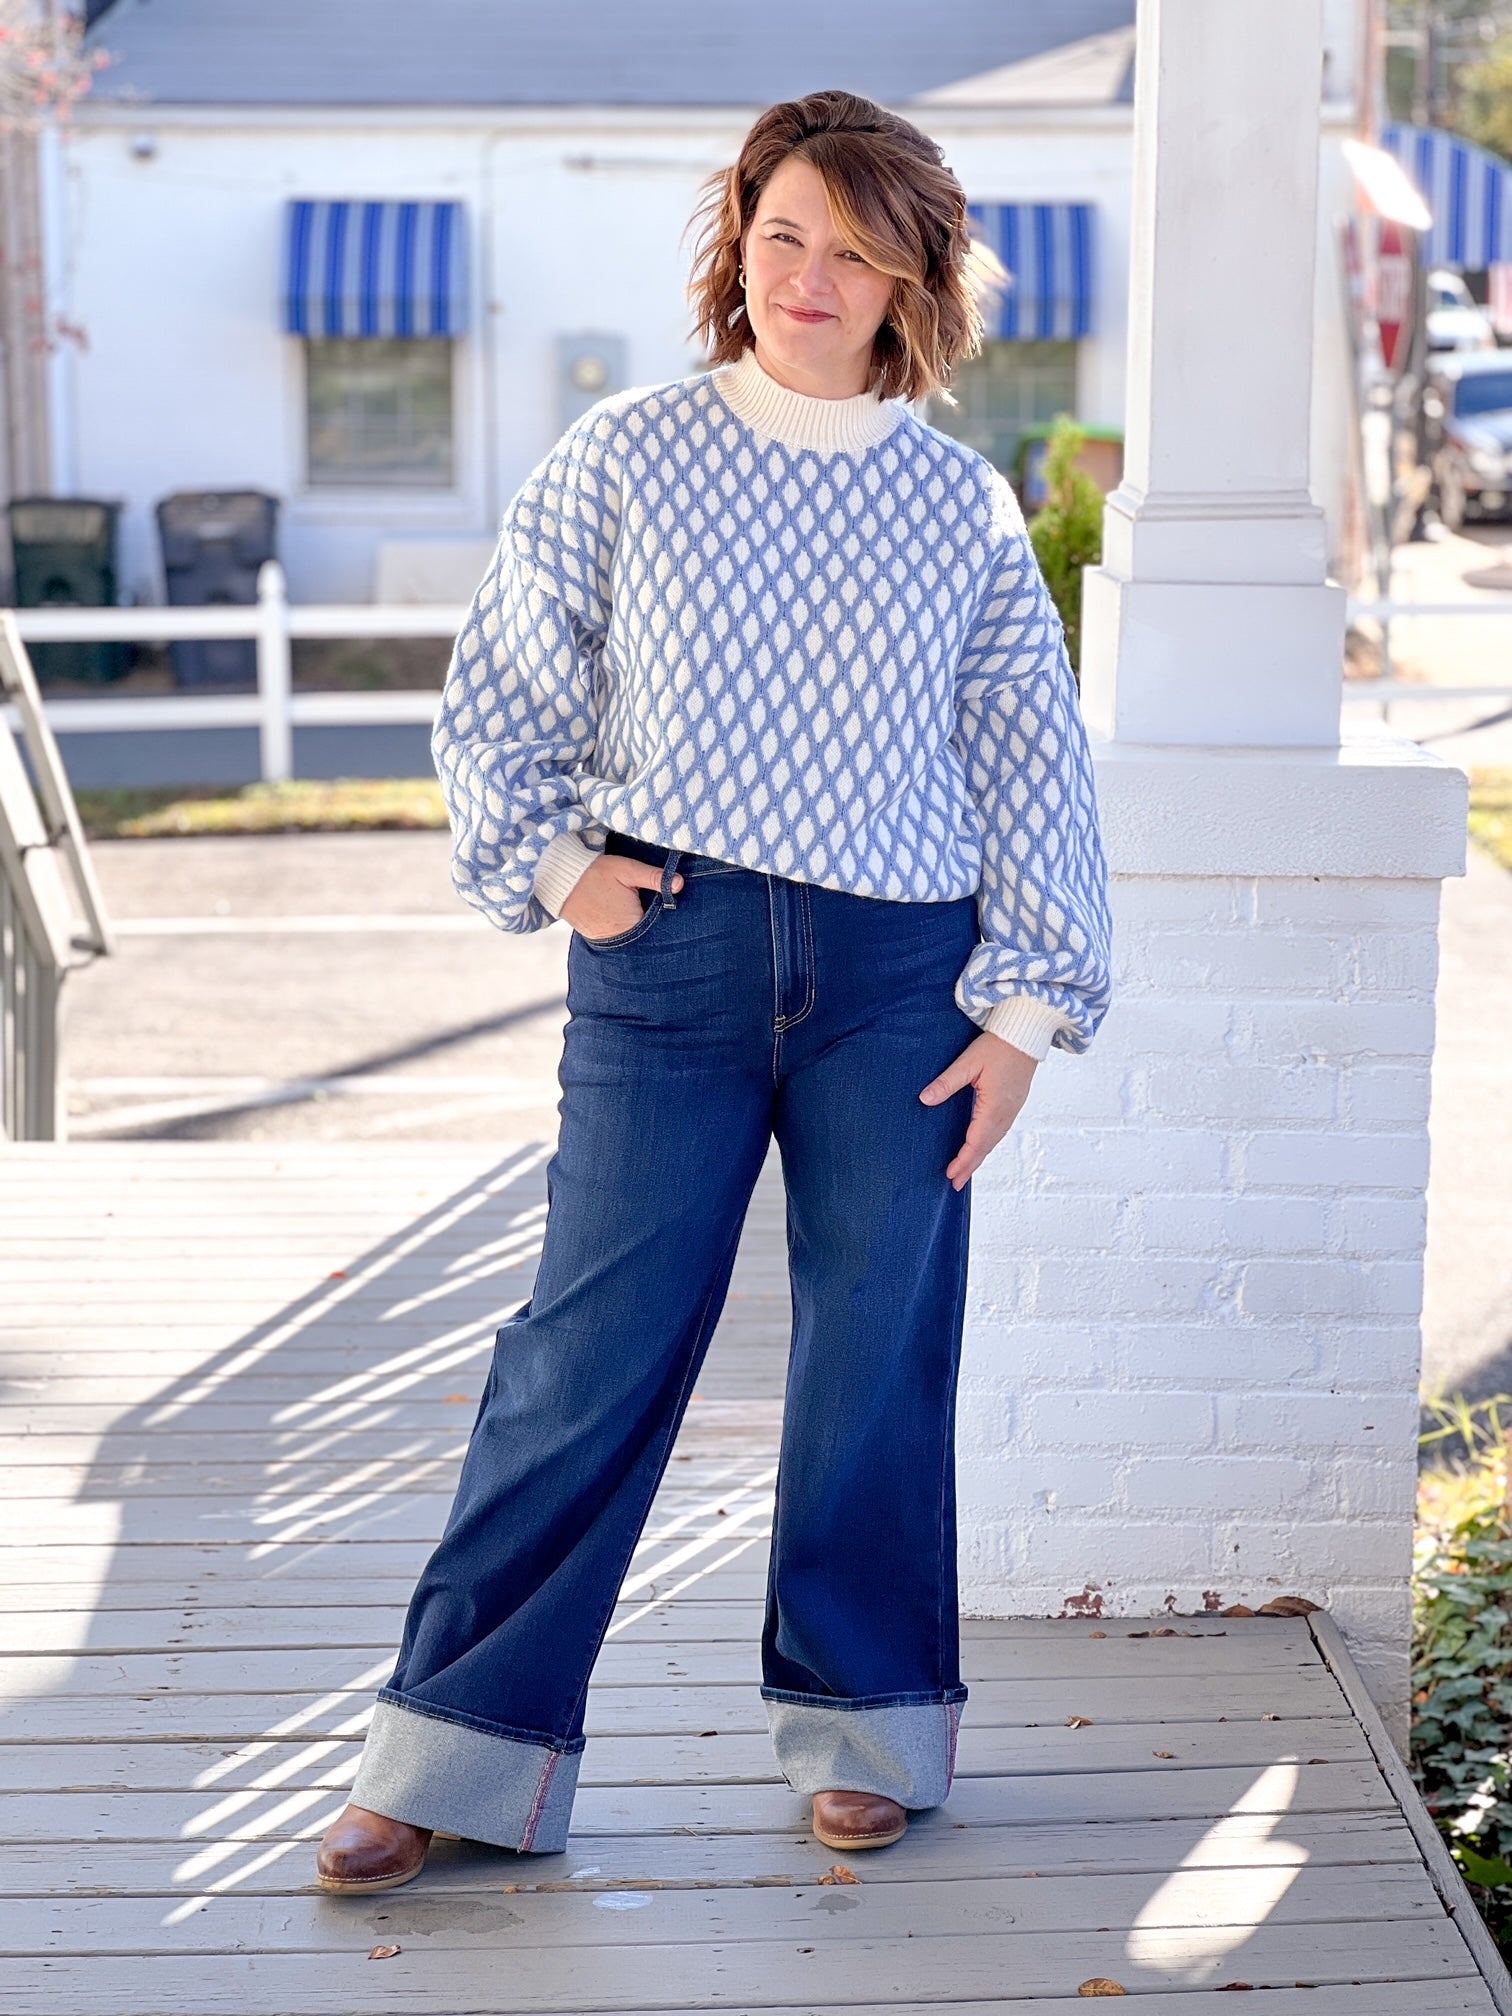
[(1001, 1076), (603, 901)]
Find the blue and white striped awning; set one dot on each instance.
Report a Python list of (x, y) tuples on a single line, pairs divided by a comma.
[(1048, 248), (375, 269), (1467, 190)]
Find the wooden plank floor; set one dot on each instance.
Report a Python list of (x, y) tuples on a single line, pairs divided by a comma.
[(238, 1380)]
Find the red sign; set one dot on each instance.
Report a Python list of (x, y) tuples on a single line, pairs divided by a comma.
[(1394, 293)]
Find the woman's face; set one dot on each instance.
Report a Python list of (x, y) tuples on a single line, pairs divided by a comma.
[(814, 303)]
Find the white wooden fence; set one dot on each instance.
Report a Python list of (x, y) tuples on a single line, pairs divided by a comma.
[(274, 709)]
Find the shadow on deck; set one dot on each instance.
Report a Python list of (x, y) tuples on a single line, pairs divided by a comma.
[(238, 1383)]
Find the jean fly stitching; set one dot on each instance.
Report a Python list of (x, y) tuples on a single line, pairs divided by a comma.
[(776, 981), (800, 897)]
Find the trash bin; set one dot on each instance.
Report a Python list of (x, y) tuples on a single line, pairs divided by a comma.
[(63, 550), (213, 542)]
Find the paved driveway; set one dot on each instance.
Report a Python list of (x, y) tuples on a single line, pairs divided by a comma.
[(243, 1004)]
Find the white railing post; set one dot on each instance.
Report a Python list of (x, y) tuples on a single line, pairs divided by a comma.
[(274, 675)]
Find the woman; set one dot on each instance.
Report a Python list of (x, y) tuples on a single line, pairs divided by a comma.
[(765, 695)]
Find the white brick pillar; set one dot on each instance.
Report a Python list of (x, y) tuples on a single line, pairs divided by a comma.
[(1192, 1352)]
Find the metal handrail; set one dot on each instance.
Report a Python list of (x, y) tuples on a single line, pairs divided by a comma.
[(50, 921)]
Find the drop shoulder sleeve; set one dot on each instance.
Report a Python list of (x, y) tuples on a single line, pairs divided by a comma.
[(1040, 974)]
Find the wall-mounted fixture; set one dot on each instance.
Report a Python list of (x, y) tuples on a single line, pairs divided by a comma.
[(589, 367)]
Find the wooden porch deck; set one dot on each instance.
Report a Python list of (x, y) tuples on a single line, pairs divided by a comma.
[(238, 1383)]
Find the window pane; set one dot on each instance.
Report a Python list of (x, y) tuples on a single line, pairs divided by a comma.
[(379, 412), (1010, 387)]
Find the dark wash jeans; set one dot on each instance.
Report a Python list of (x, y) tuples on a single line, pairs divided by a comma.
[(743, 1006)]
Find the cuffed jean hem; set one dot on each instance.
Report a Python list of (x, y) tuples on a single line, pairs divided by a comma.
[(455, 1778), (901, 1750)]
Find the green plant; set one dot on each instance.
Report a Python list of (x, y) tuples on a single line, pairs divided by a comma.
[(1483, 101), (1066, 532), (1462, 1654), (1491, 813)]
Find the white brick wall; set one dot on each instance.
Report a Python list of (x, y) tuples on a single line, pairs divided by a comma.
[(1192, 1350)]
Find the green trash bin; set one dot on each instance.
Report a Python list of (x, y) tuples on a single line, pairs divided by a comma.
[(63, 551)]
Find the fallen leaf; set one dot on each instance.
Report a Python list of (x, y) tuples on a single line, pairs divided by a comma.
[(1270, 1718), (1236, 1984), (838, 1873), (457, 1399), (383, 1952), (1101, 1985), (1238, 1610), (510, 1889), (1078, 1721), (1097, 1634), (805, 1949), (339, 1274), (1162, 1753), (1317, 1760), (1288, 1606), (708, 1732)]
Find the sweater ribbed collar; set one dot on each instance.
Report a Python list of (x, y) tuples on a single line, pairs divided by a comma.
[(799, 420)]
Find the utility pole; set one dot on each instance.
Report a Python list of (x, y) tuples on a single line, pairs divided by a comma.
[(1425, 70)]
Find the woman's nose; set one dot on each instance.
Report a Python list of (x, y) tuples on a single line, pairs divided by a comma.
[(813, 275)]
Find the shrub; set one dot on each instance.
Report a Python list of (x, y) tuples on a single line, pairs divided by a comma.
[(1067, 532), (1462, 1652)]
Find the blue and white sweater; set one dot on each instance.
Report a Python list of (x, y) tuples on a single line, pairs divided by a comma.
[(808, 636)]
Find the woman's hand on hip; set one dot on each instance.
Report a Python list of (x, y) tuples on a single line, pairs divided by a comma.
[(603, 901), (1001, 1076)]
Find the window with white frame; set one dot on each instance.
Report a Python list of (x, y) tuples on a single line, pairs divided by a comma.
[(1001, 394), (379, 412)]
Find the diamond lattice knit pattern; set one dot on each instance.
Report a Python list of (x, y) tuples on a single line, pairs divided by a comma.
[(812, 642)]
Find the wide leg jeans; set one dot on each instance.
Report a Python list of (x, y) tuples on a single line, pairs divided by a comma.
[(745, 1006)]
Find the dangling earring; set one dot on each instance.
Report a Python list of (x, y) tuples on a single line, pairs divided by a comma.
[(740, 277)]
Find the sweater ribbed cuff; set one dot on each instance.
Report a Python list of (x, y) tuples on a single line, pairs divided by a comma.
[(1027, 1024), (558, 870)]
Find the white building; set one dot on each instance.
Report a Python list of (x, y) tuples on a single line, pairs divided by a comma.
[(567, 144)]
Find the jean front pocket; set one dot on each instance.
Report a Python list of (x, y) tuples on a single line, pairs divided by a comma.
[(652, 912)]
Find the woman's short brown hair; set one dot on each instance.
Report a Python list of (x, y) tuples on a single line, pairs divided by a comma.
[(897, 203)]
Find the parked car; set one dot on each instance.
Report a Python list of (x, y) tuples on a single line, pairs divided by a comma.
[(1455, 321), (1467, 416)]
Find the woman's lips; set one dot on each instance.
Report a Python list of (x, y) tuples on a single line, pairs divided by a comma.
[(806, 314)]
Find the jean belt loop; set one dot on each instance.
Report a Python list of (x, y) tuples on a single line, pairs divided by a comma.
[(669, 869)]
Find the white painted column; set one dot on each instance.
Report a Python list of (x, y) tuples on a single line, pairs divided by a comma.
[(1209, 620), (1192, 1349)]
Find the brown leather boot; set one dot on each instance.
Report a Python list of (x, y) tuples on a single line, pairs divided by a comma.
[(858, 1820), (367, 1851)]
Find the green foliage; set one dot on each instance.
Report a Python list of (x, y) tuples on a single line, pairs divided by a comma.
[(1462, 1660), (1483, 101), (1067, 532), (341, 805), (1491, 813)]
